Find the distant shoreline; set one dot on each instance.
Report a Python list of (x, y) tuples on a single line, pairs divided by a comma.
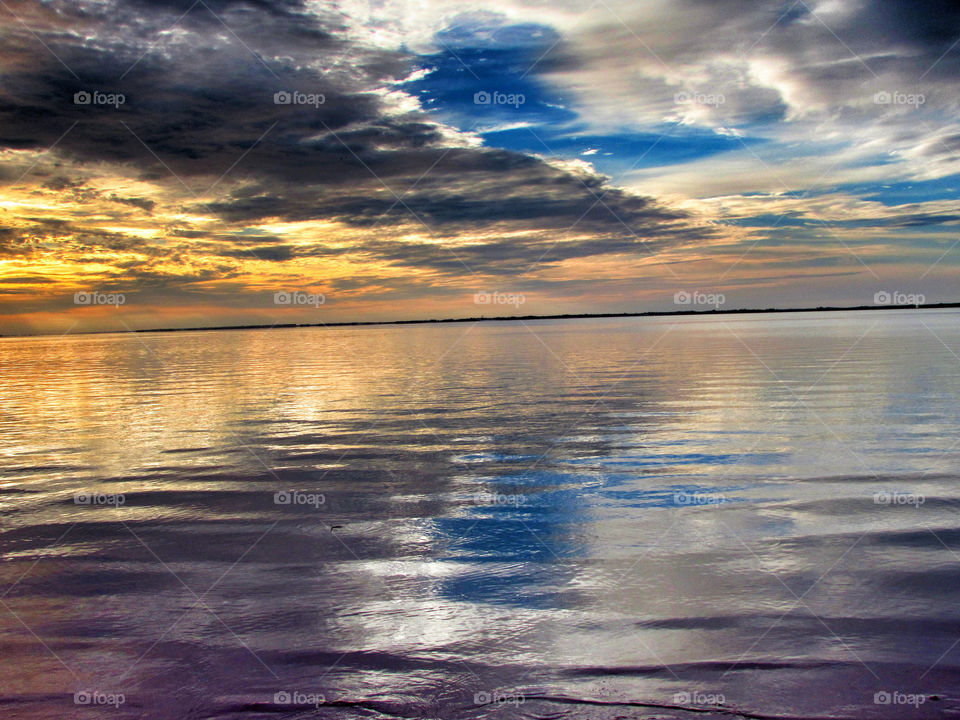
[(508, 318)]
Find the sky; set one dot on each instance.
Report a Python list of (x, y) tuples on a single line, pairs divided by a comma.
[(190, 163)]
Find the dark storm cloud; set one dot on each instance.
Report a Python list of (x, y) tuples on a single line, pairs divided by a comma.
[(138, 202), (69, 237), (462, 194), (506, 255), (930, 26), (271, 253), (198, 98), (13, 244), (61, 183), (25, 280)]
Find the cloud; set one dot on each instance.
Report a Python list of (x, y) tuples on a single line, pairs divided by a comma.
[(239, 144)]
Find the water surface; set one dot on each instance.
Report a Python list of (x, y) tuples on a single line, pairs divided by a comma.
[(618, 518)]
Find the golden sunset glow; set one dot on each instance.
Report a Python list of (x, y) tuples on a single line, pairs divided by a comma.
[(397, 175)]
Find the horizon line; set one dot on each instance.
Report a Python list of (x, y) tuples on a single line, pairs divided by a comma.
[(508, 318)]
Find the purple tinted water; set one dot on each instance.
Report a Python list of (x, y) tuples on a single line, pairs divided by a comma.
[(749, 516)]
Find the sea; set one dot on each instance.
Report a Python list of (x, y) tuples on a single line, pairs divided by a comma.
[(721, 516)]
